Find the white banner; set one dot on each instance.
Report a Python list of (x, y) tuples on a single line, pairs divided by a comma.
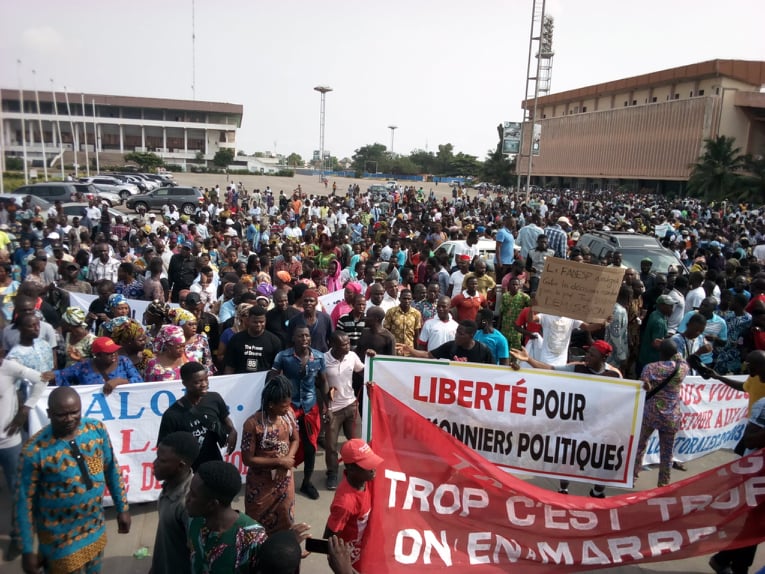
[(137, 306), (132, 414), (330, 300), (714, 417), (548, 423)]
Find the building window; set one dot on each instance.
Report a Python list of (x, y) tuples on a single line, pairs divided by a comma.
[(717, 91), (634, 102), (626, 103), (653, 100), (544, 116), (584, 109), (677, 96), (691, 94), (700, 93)]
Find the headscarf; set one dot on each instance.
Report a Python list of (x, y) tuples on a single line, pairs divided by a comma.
[(75, 317), (127, 331), (115, 299), (168, 334), (354, 286), (266, 289), (158, 308), (181, 316), (242, 311), (107, 327)]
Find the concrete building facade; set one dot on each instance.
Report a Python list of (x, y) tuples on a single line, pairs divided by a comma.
[(180, 131), (645, 132)]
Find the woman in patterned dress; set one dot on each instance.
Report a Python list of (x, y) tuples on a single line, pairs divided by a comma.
[(270, 440), (131, 336), (169, 346), (197, 347)]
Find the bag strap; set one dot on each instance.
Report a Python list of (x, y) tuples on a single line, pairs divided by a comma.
[(77, 455), (662, 384)]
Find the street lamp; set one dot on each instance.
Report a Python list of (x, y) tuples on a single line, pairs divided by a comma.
[(392, 131), (323, 91)]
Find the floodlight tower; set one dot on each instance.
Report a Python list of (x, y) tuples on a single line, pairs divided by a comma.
[(323, 90), (537, 82), (392, 131)]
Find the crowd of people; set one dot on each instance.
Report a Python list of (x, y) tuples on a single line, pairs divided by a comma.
[(237, 287)]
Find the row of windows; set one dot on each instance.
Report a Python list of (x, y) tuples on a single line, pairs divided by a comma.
[(653, 100)]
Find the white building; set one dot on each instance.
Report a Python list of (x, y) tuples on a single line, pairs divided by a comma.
[(176, 130)]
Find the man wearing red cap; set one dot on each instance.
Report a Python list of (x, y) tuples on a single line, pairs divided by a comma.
[(594, 364), (349, 512)]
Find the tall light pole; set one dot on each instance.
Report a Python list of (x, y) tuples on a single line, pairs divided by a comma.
[(392, 131), (323, 91)]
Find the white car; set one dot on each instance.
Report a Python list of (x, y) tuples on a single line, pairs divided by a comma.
[(114, 185)]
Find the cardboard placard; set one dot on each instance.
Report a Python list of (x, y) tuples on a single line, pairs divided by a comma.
[(578, 290)]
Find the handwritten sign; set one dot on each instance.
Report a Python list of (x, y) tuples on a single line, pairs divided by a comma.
[(578, 290)]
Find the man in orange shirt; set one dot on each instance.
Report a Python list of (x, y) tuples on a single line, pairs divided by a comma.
[(469, 301)]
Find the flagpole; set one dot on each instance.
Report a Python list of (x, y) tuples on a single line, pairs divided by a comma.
[(75, 143), (85, 136), (95, 136), (40, 126), (23, 125), (58, 125)]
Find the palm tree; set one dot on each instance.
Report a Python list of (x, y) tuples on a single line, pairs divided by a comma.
[(717, 173), (754, 179)]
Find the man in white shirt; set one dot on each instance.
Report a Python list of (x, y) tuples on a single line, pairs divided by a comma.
[(343, 408), (293, 231), (440, 329), (696, 294), (456, 278), (102, 266)]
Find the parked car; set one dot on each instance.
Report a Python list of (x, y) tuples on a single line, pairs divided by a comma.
[(186, 199), (633, 246), (51, 191), (89, 190), (77, 209), (7, 198), (112, 184)]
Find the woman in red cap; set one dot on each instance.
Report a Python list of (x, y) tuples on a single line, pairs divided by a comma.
[(107, 368)]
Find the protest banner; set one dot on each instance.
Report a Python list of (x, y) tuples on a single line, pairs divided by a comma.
[(132, 414), (548, 423), (439, 506), (578, 290), (713, 417), (330, 300)]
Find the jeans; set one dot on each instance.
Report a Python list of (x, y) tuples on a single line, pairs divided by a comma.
[(9, 461), (348, 418)]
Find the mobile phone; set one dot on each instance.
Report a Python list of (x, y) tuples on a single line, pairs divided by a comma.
[(318, 545)]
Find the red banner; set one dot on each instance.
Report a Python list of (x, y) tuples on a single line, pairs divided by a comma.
[(438, 505)]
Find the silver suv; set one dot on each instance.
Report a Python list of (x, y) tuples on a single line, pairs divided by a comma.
[(113, 185)]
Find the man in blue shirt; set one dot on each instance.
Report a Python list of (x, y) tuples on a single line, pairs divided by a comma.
[(557, 239), (305, 368), (505, 247)]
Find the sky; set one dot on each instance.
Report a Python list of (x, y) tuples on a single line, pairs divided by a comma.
[(443, 71)]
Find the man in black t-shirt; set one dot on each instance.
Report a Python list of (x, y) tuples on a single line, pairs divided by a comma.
[(278, 317), (204, 414), (253, 349), (463, 348)]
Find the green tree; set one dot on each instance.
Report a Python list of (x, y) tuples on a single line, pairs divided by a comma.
[(425, 160), (223, 157), (444, 158), (464, 164), (498, 169), (147, 161), (295, 160), (717, 173), (376, 153)]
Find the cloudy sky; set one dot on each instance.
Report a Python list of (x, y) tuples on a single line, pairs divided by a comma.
[(443, 71)]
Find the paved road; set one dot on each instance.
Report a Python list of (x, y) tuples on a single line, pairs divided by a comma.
[(119, 552)]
